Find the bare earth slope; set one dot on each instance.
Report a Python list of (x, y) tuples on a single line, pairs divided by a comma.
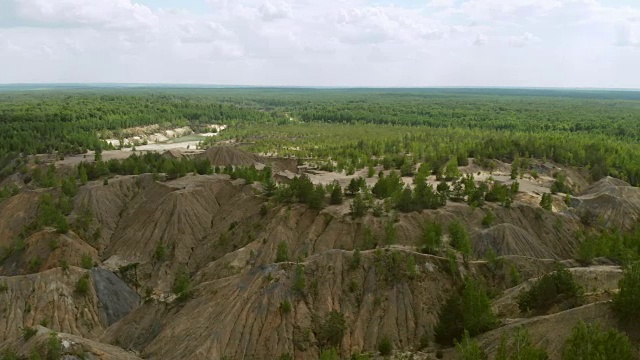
[(613, 201)]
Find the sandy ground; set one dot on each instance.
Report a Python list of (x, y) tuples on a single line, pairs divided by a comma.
[(527, 183)]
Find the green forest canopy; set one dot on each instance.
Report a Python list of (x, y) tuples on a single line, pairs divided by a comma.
[(596, 129)]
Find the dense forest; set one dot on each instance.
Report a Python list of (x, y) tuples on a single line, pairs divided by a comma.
[(599, 130)]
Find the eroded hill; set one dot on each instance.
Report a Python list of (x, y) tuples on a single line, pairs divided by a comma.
[(204, 266)]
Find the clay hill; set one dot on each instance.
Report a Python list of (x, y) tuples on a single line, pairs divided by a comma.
[(229, 155), (186, 269), (611, 201)]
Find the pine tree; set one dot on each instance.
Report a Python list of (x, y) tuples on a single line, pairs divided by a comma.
[(269, 187), (336, 194), (546, 202), (358, 207), (459, 238)]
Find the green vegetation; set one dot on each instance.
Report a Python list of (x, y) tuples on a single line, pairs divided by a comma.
[(331, 330), (469, 348), (82, 285), (393, 266), (520, 348), (468, 309), (299, 280), (439, 127), (593, 342), (488, 219), (459, 238), (285, 307), (35, 264), (385, 346), (329, 354), (161, 253), (556, 288), (431, 240), (614, 244), (182, 285), (9, 354), (336, 194), (282, 253), (625, 303), (86, 261), (356, 259), (28, 333), (546, 202)]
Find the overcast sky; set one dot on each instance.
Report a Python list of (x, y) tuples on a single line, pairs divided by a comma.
[(529, 43)]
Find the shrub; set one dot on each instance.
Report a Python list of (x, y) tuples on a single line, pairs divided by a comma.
[(160, 253), (3, 287), (488, 219), (9, 354), (592, 342), (554, 288), (264, 210), (82, 285), (459, 238), (336, 194), (28, 333), (86, 261), (35, 264), (54, 244), (331, 331), (469, 309), (520, 348), (546, 202), (469, 348), (355, 260), (514, 276), (282, 253), (64, 264), (299, 280), (182, 285), (53, 348), (329, 354), (358, 207), (285, 307), (625, 303), (286, 356), (431, 239), (385, 346)]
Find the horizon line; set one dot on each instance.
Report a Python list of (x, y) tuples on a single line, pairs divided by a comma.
[(335, 87)]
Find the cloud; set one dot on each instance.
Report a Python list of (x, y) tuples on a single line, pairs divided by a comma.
[(441, 3), (271, 12), (480, 40), (626, 35), (110, 14), (330, 42), (523, 40)]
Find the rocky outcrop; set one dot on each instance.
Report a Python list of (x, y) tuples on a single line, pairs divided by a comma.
[(116, 299)]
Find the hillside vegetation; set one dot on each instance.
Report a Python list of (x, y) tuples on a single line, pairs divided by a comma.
[(319, 224)]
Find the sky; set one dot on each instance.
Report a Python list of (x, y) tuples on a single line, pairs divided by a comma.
[(376, 43)]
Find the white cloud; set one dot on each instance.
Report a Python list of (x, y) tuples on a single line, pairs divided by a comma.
[(330, 42), (627, 35), (114, 14), (523, 40), (480, 40), (441, 3), (270, 12)]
